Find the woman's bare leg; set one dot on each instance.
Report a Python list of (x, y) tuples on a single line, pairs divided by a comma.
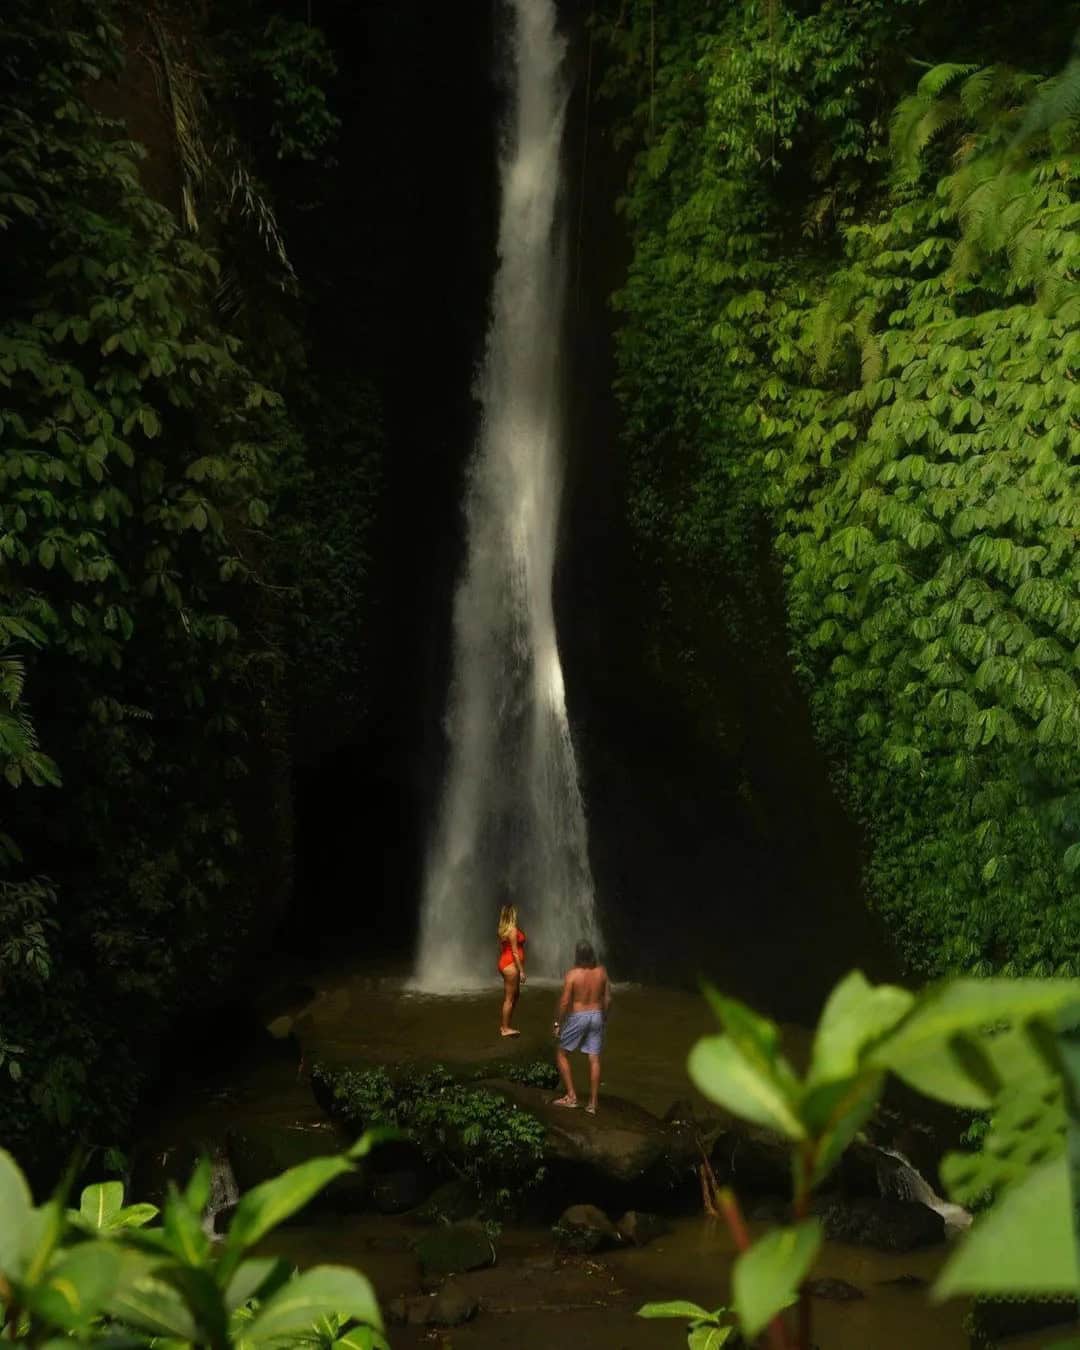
[(510, 998)]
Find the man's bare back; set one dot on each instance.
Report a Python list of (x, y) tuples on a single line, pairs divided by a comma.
[(585, 989)]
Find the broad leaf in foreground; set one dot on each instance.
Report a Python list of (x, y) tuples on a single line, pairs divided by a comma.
[(725, 1076), (1024, 1245), (321, 1292), (766, 1278)]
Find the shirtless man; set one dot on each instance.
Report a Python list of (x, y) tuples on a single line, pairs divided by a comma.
[(586, 997)]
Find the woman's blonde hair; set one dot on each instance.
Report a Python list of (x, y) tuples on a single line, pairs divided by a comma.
[(507, 921)]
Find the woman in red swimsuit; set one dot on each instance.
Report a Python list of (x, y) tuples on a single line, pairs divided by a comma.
[(511, 965)]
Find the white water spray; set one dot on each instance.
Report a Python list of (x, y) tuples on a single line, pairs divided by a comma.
[(512, 825)]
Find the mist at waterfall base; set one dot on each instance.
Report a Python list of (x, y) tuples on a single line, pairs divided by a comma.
[(693, 875)]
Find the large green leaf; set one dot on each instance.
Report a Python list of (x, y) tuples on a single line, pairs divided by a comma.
[(725, 1076), (147, 1302), (1027, 1127), (77, 1287), (321, 1292), (99, 1203), (362, 1338), (132, 1216), (16, 1204), (688, 1312), (766, 1278), (371, 1139), (933, 1049), (856, 1015), (262, 1209), (42, 1231), (709, 1337), (197, 1191), (835, 1112), (183, 1229), (259, 1276), (1024, 1245), (755, 1037), (201, 1293)]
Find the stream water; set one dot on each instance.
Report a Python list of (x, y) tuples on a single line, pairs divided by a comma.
[(532, 1298)]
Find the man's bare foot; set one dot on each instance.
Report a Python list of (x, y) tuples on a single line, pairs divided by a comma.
[(591, 1108), (565, 1101), (508, 1031)]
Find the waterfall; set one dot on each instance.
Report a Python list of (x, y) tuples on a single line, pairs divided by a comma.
[(511, 824), (902, 1181)]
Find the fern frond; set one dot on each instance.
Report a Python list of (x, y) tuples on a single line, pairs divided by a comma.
[(935, 82), (1056, 104), (917, 123), (978, 89)]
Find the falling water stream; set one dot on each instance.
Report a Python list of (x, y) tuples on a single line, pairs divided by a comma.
[(511, 826)]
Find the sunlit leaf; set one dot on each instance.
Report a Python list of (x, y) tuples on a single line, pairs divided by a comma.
[(1024, 1245), (688, 1312), (724, 1076), (16, 1204), (322, 1291), (856, 1015), (766, 1278)]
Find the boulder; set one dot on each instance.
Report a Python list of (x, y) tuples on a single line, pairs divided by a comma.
[(888, 1225), (681, 1111), (585, 1228), (449, 1203), (622, 1143), (453, 1248), (751, 1159), (259, 1151), (639, 1229), (396, 1192), (452, 1306), (911, 1282)]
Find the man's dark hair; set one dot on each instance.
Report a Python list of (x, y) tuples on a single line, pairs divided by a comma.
[(584, 955)]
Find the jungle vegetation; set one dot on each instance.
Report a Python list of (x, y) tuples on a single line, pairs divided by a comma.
[(187, 499), (847, 366)]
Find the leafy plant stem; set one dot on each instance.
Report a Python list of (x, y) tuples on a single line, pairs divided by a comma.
[(733, 1216), (801, 1211)]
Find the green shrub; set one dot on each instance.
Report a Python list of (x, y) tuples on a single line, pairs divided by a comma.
[(106, 1274), (475, 1132)]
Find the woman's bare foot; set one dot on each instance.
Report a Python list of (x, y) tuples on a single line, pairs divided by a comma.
[(565, 1101), (508, 1031)]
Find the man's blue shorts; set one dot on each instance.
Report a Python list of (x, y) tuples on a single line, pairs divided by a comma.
[(583, 1031)]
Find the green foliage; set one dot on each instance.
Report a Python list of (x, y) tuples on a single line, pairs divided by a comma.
[(158, 499), (1010, 1045), (863, 330), (288, 66), (538, 1073), (102, 1274), (706, 1330), (475, 1132), (766, 1278)]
